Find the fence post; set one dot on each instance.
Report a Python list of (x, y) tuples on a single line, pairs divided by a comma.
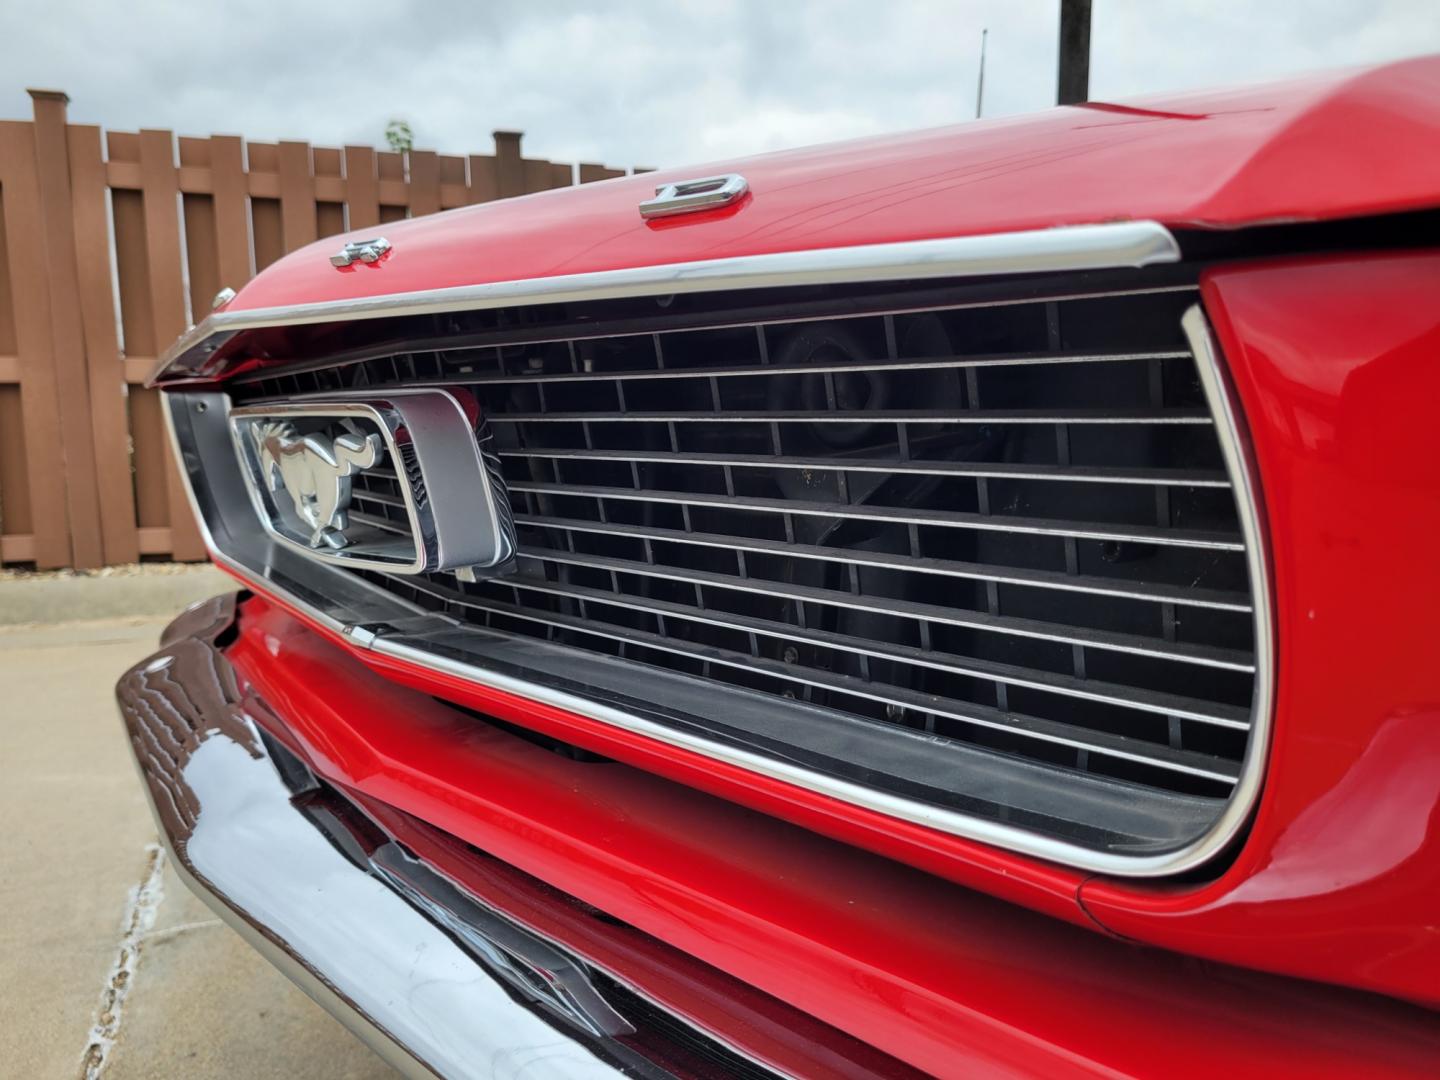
[(67, 339), (509, 168)]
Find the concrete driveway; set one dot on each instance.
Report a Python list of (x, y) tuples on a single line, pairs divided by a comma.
[(109, 967)]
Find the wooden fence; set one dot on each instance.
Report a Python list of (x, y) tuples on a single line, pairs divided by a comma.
[(111, 244)]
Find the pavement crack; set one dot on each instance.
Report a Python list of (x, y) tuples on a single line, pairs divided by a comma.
[(138, 918)]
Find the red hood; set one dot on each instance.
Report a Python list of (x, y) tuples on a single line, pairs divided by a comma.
[(1321, 147)]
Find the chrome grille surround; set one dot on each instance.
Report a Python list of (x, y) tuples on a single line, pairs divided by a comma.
[(431, 499), (583, 592)]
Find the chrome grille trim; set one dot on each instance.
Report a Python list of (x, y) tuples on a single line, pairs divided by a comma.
[(956, 519), (1235, 448), (1057, 473), (405, 645), (912, 416), (1039, 579), (946, 363)]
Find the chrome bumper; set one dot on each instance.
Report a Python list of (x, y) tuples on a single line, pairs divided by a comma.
[(437, 981)]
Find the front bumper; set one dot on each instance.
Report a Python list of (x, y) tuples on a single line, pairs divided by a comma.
[(440, 975), (454, 963)]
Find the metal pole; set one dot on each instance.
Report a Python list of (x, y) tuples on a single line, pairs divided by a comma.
[(1074, 83), (980, 90)]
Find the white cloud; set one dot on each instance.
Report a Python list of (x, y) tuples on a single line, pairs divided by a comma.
[(644, 81)]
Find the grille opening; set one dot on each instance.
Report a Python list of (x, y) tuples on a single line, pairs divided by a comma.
[(1008, 524)]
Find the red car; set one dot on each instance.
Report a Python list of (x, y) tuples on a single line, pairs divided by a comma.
[(957, 603)]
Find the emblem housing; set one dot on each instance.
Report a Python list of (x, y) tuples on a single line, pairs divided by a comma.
[(439, 503), (692, 196)]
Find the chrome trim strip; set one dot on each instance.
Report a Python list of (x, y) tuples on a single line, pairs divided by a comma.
[(934, 363), (1234, 446), (1077, 474), (1073, 247), (957, 519), (868, 416), (1117, 588)]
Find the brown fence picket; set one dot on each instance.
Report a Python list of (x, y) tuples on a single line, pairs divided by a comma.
[(394, 199), (297, 196), (40, 411), (202, 257), (88, 218), (147, 457), (9, 374), (17, 535), (362, 187), (67, 335), (17, 538), (329, 192), (128, 211), (484, 186), (590, 173), (167, 302), (424, 183), (453, 190), (229, 193), (104, 366), (541, 175), (264, 185)]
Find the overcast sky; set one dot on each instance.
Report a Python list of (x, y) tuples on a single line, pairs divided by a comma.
[(649, 82)]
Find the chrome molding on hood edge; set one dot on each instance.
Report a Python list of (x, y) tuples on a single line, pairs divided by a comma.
[(1068, 248)]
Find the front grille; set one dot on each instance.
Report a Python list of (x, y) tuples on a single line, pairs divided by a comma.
[(1005, 524)]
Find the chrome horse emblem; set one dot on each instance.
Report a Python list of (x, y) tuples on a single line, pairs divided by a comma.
[(440, 504), (315, 472)]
